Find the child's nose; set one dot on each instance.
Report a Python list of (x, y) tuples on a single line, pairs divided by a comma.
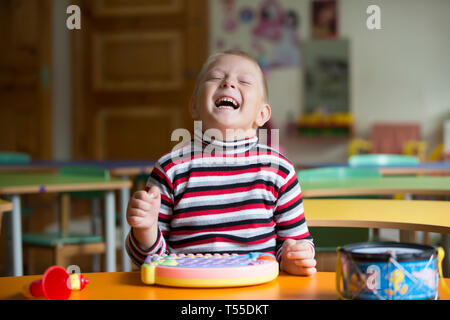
[(227, 83)]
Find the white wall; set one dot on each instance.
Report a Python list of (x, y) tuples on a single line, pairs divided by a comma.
[(402, 72), (399, 73)]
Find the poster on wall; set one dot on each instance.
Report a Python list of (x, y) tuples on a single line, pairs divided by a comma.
[(324, 19), (266, 30), (327, 76)]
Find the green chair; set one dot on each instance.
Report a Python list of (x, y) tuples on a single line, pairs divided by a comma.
[(327, 239), (362, 160), (63, 243)]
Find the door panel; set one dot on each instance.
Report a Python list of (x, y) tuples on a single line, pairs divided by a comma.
[(142, 131), (138, 61), (135, 64), (25, 46), (136, 7)]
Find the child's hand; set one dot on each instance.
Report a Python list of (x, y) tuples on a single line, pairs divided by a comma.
[(298, 258), (143, 208)]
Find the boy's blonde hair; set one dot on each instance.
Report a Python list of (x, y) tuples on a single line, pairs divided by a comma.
[(213, 58)]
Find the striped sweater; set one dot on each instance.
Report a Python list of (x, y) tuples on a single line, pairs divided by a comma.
[(224, 197)]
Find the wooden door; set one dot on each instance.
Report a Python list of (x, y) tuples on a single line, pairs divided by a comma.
[(135, 63), (25, 56)]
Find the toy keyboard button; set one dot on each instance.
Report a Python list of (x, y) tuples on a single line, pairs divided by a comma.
[(169, 262), (254, 255), (267, 257)]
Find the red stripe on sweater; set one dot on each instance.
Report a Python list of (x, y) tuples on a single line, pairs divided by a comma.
[(229, 191), (213, 172), (297, 237), (231, 228), (294, 220), (224, 210), (290, 202), (287, 184), (163, 176)]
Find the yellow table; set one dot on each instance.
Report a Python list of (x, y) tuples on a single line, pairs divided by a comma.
[(128, 286), (414, 215)]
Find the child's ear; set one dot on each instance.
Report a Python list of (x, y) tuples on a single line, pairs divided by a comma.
[(193, 109), (263, 115)]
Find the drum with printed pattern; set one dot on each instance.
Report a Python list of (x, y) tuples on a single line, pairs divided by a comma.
[(388, 271)]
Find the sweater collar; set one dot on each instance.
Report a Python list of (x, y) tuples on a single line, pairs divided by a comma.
[(223, 147)]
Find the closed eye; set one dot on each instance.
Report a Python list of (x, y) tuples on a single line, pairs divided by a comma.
[(245, 80), (214, 76)]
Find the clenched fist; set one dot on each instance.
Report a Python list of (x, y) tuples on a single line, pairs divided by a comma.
[(143, 209), (298, 258)]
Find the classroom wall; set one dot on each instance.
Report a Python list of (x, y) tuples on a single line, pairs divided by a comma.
[(402, 72), (399, 73)]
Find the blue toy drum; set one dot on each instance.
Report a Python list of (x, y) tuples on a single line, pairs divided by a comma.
[(388, 271)]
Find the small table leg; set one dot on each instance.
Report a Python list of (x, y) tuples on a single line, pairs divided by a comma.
[(110, 231), (16, 234), (405, 235)]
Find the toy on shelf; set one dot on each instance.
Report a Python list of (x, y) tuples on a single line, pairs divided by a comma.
[(323, 124), (359, 146), (415, 148), (209, 270), (56, 284)]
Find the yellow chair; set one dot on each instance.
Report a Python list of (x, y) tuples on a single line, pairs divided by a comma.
[(415, 148), (437, 154), (359, 146)]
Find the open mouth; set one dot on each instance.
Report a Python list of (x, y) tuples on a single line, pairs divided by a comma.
[(227, 103)]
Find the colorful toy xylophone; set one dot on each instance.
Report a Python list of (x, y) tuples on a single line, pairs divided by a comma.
[(209, 270)]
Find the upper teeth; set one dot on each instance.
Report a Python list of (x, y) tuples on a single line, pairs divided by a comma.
[(234, 102)]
